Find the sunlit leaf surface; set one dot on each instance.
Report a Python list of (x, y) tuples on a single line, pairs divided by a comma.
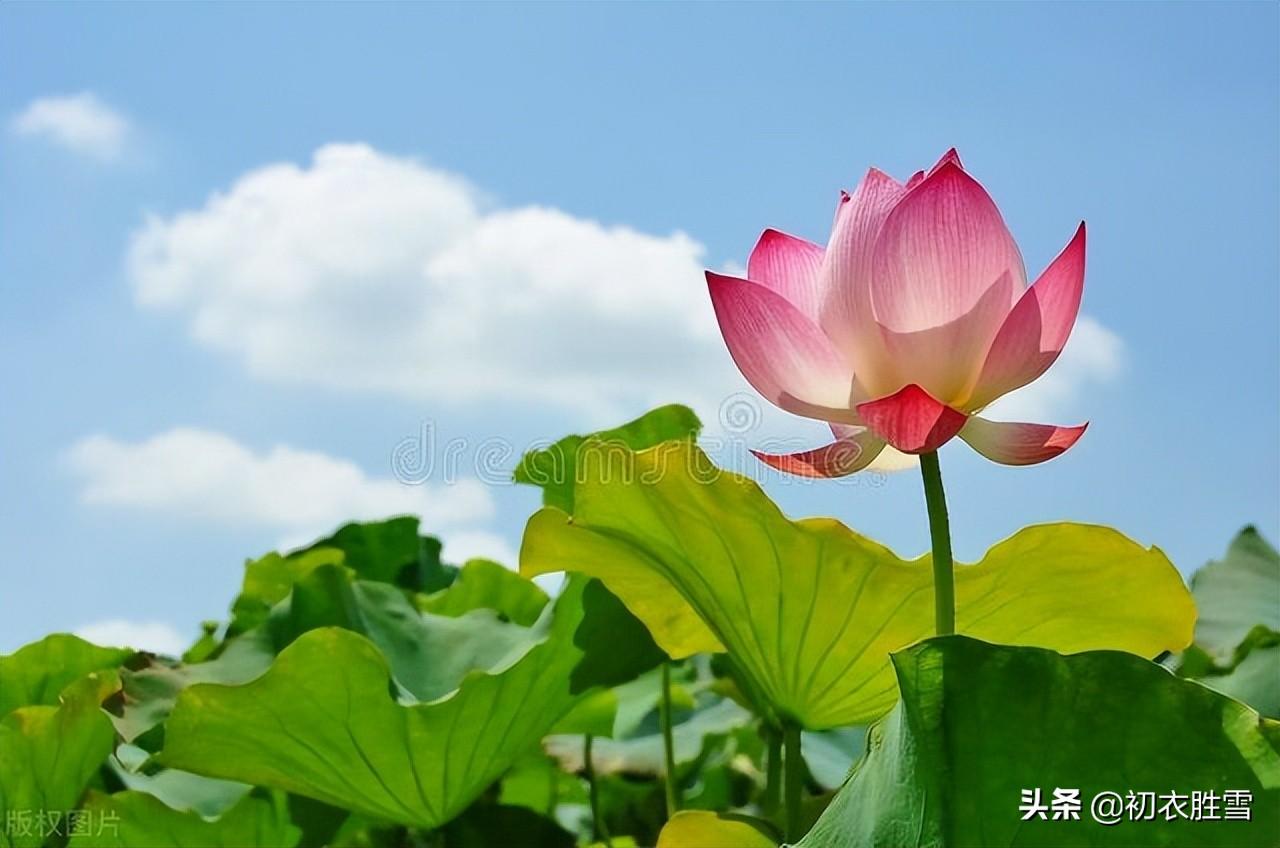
[(323, 722), (810, 610)]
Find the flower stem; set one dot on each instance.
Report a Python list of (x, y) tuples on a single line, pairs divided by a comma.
[(773, 772), (598, 833), (944, 584), (668, 743), (794, 779)]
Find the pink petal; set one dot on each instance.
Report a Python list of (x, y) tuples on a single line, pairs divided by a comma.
[(1019, 444), (938, 252), (950, 156), (1037, 328), (911, 420), (783, 354), (853, 450), (945, 361), (789, 266), (916, 179), (846, 314)]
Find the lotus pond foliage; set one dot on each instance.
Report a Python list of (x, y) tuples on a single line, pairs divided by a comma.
[(708, 672), (362, 692)]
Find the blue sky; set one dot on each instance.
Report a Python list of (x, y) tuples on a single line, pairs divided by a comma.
[(214, 224)]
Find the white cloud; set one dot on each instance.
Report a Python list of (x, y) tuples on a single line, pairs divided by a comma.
[(81, 123), (154, 636), (207, 476), (371, 272)]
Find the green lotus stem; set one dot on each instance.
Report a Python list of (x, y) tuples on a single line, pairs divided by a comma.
[(773, 772), (598, 832), (944, 581), (794, 778), (668, 743)]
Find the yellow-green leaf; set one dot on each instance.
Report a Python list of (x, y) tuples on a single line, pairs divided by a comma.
[(810, 610), (37, 673), (702, 829)]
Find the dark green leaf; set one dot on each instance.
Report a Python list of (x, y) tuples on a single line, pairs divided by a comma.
[(615, 644), (494, 825), (978, 724), (391, 551)]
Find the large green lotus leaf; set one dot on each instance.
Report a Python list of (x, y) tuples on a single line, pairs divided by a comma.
[(482, 584), (702, 829), (48, 755), (809, 610), (37, 673), (978, 724), (323, 723), (556, 469), (1237, 593), (137, 820)]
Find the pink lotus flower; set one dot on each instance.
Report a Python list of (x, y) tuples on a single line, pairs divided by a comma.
[(915, 317)]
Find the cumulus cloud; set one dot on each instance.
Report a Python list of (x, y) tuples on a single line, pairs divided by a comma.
[(81, 123), (365, 271), (206, 476), (157, 637), (370, 272)]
